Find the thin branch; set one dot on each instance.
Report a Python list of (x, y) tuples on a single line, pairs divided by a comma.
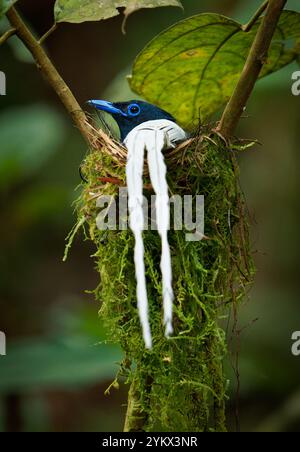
[(255, 61), (136, 417), (7, 35), (256, 16), (50, 73), (49, 32)]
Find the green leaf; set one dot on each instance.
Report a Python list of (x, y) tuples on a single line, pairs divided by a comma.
[(56, 363), (5, 5), (77, 11), (191, 69)]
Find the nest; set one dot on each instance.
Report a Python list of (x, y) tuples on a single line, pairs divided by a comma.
[(180, 385), (101, 141)]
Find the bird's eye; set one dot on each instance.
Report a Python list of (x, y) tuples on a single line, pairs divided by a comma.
[(134, 110)]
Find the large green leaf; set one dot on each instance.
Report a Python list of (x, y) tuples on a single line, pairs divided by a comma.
[(5, 5), (77, 11), (56, 363), (191, 69)]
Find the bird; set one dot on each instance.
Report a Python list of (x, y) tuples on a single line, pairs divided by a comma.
[(146, 127), (131, 114)]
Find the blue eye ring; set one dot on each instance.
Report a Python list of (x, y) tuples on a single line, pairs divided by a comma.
[(133, 110)]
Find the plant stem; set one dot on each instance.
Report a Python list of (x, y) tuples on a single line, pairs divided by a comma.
[(255, 61), (50, 73), (49, 32), (136, 418), (7, 35), (256, 16)]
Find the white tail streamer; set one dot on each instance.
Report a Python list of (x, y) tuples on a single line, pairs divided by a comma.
[(134, 174), (153, 136), (158, 173)]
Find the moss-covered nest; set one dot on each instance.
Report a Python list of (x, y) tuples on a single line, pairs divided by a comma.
[(179, 385)]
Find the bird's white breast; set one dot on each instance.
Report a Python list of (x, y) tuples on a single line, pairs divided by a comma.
[(173, 133)]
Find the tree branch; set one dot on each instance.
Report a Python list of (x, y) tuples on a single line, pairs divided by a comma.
[(7, 35), (50, 73), (135, 418), (255, 61), (256, 16), (49, 32)]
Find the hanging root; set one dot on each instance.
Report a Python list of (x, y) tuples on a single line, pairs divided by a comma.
[(180, 384)]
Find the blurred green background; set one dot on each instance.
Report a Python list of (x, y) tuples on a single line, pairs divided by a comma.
[(57, 365)]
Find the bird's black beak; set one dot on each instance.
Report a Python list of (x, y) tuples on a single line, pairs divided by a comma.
[(109, 107)]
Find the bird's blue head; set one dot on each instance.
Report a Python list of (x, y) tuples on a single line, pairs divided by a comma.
[(129, 115)]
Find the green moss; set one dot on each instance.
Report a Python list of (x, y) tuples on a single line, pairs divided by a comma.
[(179, 385)]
